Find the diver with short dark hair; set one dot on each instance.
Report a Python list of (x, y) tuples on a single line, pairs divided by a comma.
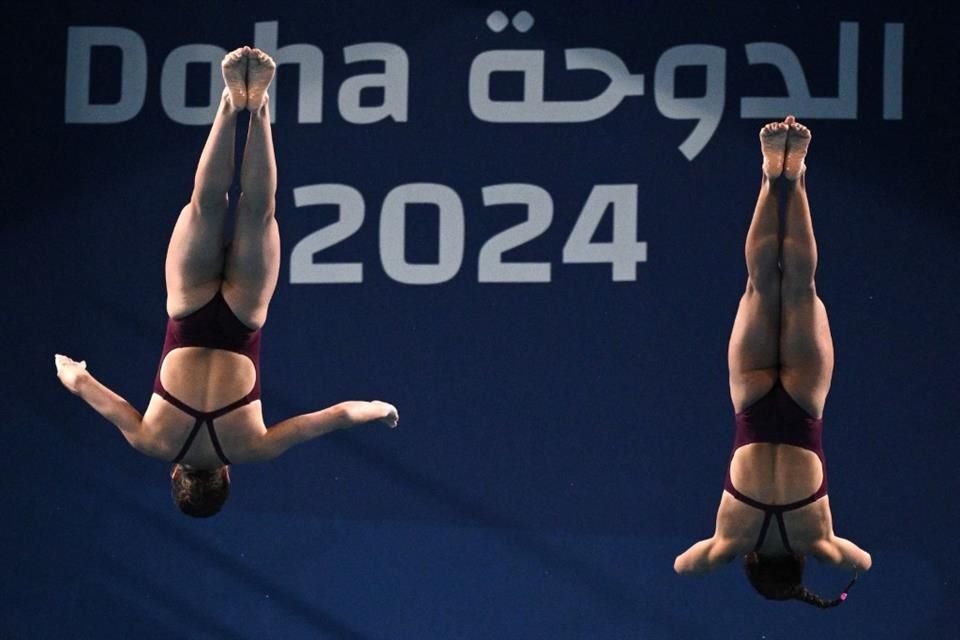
[(205, 413)]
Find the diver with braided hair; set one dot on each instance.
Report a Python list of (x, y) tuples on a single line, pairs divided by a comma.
[(774, 510)]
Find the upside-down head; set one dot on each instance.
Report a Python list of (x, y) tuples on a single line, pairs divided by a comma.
[(780, 578), (199, 492)]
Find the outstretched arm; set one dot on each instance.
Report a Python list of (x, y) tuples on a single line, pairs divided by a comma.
[(308, 426), (78, 380), (704, 556), (843, 553)]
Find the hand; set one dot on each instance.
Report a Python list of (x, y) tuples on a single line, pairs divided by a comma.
[(390, 417), (70, 372)]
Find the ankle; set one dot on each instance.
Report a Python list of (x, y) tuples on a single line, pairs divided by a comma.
[(798, 181), (227, 105), (261, 111)]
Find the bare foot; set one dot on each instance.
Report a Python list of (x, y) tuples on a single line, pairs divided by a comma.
[(797, 142), (260, 70), (234, 67), (773, 142)]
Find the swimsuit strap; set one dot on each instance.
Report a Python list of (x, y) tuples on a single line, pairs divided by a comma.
[(179, 404), (189, 441), (775, 508), (756, 504), (763, 530), (780, 525), (223, 458), (204, 418), (193, 434), (783, 532)]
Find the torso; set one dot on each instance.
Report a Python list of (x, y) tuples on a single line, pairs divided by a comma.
[(205, 379), (774, 474)]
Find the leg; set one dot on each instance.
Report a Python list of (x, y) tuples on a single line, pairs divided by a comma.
[(806, 346), (753, 353), (253, 258), (194, 264)]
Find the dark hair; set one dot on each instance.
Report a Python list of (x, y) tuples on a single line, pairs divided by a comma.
[(780, 577), (199, 492)]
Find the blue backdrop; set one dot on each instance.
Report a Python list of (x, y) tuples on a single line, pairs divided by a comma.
[(565, 421)]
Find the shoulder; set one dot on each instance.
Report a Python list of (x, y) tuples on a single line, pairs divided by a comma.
[(259, 447), (738, 521), (150, 440), (147, 443), (706, 555), (841, 552)]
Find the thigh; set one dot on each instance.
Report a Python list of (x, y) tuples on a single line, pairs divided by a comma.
[(753, 353), (195, 256), (252, 265), (806, 351)]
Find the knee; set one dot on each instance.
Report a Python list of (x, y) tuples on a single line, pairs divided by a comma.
[(257, 206), (798, 290), (207, 205), (764, 283), (763, 268), (798, 285), (799, 258)]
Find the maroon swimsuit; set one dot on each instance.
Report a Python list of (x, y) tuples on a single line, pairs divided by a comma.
[(776, 418), (213, 326)]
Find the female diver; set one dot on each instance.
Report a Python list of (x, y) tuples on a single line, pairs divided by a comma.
[(205, 412), (780, 359)]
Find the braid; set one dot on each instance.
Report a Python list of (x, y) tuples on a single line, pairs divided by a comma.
[(803, 594), (780, 578)]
